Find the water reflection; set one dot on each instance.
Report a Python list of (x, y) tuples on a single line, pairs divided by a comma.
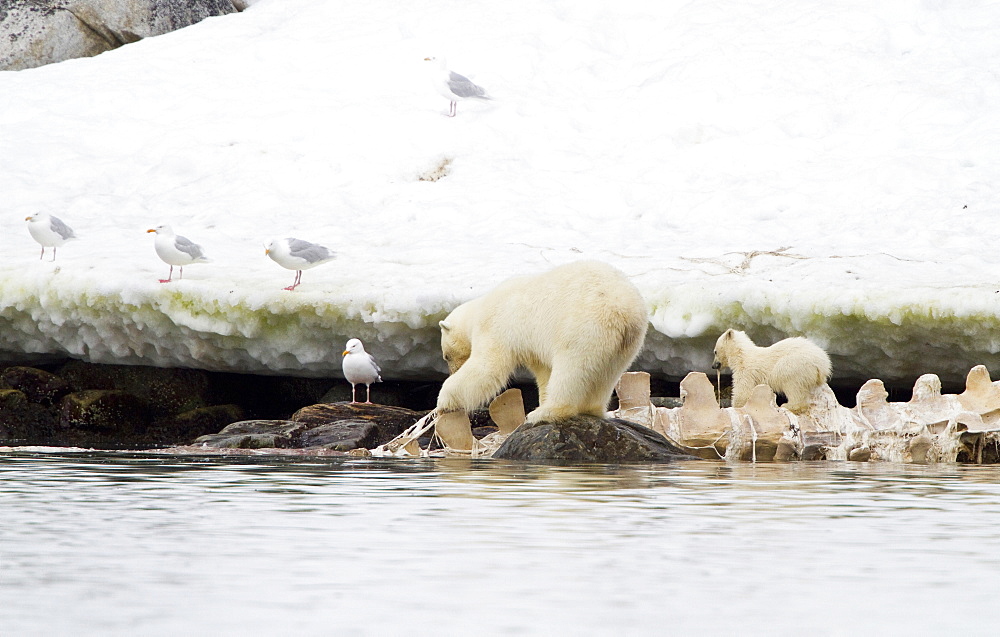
[(269, 545)]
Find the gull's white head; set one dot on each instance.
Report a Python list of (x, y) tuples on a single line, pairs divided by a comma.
[(275, 246), (354, 346), (439, 62), (162, 229)]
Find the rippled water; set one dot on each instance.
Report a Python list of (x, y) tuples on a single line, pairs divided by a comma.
[(106, 544)]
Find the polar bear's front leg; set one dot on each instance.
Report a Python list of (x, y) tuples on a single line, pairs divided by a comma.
[(478, 381)]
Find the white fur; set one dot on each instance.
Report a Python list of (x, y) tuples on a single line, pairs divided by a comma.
[(793, 367), (576, 328)]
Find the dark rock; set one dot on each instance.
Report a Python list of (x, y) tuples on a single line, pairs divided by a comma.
[(104, 411), (668, 402), (588, 439), (23, 422), (164, 391), (482, 432), (38, 32), (342, 435), (12, 399), (255, 434), (38, 385), (197, 422), (389, 421)]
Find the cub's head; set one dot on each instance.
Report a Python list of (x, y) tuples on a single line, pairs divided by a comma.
[(722, 348), (455, 344)]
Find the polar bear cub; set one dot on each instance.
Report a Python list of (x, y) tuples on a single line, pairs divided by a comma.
[(576, 328), (793, 367)]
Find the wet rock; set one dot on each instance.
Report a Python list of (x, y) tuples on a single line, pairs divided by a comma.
[(12, 399), (104, 411), (342, 435), (198, 422), (38, 385), (163, 391), (588, 439), (38, 32), (255, 434), (23, 422), (388, 422)]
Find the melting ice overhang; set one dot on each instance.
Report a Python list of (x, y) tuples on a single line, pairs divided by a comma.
[(302, 333)]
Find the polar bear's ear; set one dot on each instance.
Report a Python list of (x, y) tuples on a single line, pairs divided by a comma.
[(444, 326), (729, 333)]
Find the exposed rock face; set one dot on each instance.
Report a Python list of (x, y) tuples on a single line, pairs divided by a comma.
[(38, 32), (588, 439), (163, 391), (37, 385), (338, 426), (255, 434), (388, 422), (103, 411)]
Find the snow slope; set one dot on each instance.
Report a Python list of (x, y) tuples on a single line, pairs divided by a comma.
[(826, 169)]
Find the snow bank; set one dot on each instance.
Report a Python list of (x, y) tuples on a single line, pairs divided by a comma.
[(826, 170)]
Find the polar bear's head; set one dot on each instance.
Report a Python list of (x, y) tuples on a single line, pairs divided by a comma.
[(456, 347), (729, 347)]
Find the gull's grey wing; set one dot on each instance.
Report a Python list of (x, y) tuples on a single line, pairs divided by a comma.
[(189, 247), (464, 87), (61, 228), (311, 252), (378, 370)]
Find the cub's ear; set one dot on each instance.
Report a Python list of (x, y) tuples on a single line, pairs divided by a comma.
[(444, 326), (729, 333)]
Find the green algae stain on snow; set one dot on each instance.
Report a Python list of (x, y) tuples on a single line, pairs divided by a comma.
[(894, 343)]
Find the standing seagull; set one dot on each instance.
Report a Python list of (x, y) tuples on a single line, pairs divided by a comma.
[(49, 231), (455, 87), (176, 250), (360, 367), (298, 255)]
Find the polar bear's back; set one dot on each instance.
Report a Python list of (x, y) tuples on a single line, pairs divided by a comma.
[(567, 307), (791, 357)]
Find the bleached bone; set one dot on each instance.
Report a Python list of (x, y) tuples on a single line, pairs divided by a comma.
[(860, 454), (633, 398), (873, 409), (768, 418), (917, 449), (762, 432), (507, 411), (928, 405), (823, 412), (455, 430), (406, 442), (980, 395), (699, 424)]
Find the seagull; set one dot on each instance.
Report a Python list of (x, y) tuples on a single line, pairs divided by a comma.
[(176, 250), (49, 231), (298, 255), (360, 367), (455, 87)]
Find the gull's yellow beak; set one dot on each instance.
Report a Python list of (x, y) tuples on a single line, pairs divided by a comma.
[(27, 218), (151, 230), (345, 353), (267, 250)]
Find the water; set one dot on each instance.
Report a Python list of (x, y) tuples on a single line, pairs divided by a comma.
[(124, 544)]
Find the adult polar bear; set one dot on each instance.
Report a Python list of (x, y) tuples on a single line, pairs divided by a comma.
[(793, 367), (576, 328)]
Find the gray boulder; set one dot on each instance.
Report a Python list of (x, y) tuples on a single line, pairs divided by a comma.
[(38, 32), (588, 439), (254, 434)]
